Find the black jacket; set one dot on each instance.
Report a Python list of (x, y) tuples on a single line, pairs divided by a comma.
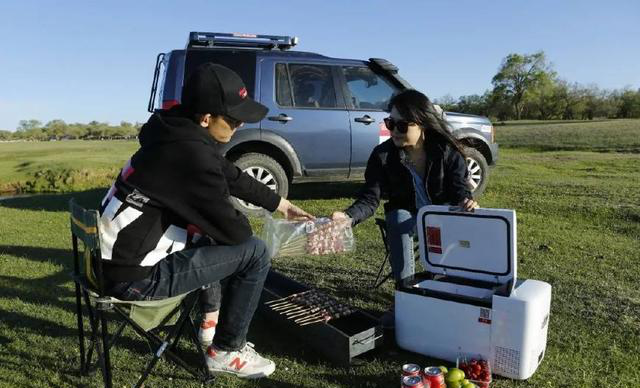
[(174, 190), (387, 176)]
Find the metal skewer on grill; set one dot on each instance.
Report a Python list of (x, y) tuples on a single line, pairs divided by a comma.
[(301, 302), (286, 298), (326, 317), (296, 301)]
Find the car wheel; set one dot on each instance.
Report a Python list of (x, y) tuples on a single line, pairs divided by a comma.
[(478, 171), (266, 170)]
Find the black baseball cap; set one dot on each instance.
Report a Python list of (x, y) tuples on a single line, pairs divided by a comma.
[(218, 90)]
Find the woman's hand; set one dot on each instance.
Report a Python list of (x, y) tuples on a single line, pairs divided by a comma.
[(291, 211), (339, 216), (468, 204)]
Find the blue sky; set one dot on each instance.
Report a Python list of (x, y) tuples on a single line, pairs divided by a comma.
[(87, 60)]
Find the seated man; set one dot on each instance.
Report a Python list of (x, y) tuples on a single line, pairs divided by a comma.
[(168, 226)]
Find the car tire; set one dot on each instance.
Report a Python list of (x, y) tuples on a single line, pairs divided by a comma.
[(478, 171), (266, 170)]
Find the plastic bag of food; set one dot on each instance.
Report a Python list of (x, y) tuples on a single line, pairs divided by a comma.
[(321, 236)]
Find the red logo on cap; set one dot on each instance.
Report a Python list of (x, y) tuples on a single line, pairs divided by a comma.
[(243, 93)]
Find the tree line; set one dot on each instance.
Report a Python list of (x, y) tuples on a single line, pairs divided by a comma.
[(59, 130), (527, 87)]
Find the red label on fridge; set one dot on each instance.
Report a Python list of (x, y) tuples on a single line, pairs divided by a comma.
[(434, 243), (485, 316)]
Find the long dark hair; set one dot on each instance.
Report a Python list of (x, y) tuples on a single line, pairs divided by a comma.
[(415, 107)]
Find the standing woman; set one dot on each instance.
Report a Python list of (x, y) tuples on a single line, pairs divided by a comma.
[(422, 164)]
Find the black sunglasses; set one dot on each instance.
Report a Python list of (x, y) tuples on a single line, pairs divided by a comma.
[(233, 123), (392, 124)]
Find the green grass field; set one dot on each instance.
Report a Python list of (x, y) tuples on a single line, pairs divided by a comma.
[(579, 230), (20, 161)]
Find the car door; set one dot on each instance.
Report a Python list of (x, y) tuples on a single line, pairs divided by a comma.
[(367, 95), (306, 109)]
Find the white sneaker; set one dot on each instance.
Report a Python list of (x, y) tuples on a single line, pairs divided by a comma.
[(206, 332), (245, 363)]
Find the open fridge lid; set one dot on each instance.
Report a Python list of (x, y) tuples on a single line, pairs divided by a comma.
[(478, 245)]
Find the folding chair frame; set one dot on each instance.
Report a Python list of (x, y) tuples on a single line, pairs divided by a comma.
[(84, 227)]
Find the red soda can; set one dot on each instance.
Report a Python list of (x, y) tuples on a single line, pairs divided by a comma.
[(412, 382), (434, 377), (411, 370)]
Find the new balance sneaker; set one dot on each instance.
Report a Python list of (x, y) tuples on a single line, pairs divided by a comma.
[(245, 363), (206, 332)]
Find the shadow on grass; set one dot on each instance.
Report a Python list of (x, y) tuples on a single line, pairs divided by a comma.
[(63, 257), (55, 202), (49, 289)]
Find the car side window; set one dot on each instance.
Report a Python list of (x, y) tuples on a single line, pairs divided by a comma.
[(283, 87), (368, 90), (311, 85)]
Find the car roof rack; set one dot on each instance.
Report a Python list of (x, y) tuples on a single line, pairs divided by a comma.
[(237, 40)]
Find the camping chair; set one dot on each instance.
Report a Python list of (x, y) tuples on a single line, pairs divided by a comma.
[(379, 280), (147, 318)]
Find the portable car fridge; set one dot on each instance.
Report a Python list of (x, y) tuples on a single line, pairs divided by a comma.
[(469, 300)]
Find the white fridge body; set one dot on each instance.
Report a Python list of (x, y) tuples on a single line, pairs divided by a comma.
[(468, 300)]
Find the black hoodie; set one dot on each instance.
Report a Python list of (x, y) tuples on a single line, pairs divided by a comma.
[(174, 190)]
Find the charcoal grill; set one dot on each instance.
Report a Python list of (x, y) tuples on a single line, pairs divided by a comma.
[(340, 340)]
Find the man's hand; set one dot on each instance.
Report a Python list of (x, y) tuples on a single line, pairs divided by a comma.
[(291, 211), (468, 205), (339, 216)]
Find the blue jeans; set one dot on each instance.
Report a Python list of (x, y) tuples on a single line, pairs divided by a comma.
[(401, 229), (241, 270)]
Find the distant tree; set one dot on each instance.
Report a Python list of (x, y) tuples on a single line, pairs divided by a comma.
[(28, 125), (5, 135), (447, 103), (629, 104), (29, 130), (499, 105), (474, 104), (55, 129), (76, 130), (517, 75), (545, 100), (570, 96), (96, 130)]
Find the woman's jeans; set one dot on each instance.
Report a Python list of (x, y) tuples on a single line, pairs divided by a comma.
[(401, 228), (241, 269)]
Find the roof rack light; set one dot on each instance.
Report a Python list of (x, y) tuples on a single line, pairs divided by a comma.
[(240, 40)]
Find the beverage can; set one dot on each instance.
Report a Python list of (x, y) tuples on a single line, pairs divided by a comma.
[(412, 382), (411, 370), (434, 377)]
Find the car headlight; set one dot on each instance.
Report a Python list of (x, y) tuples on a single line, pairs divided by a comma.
[(489, 129)]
